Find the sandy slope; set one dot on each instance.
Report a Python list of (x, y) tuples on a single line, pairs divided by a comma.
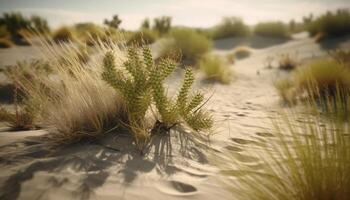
[(173, 167)]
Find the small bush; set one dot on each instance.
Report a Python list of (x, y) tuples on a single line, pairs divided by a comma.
[(287, 62), (89, 33), (341, 56), (24, 113), (272, 29), (143, 85), (4, 32), (15, 22), (6, 43), (230, 27), (323, 78), (242, 52), (63, 34), (215, 68), (188, 42), (284, 88), (74, 101), (302, 161), (39, 24), (145, 36), (162, 24), (332, 24)]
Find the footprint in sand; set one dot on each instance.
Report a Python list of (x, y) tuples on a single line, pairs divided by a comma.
[(177, 188), (264, 134), (242, 141), (233, 148)]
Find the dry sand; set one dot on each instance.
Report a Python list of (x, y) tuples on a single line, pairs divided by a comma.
[(175, 166)]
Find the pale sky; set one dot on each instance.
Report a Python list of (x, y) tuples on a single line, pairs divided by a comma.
[(197, 13)]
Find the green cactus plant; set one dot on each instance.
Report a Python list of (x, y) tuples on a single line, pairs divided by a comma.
[(141, 83)]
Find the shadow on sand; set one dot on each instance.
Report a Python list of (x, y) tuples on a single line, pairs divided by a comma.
[(256, 42), (92, 162)]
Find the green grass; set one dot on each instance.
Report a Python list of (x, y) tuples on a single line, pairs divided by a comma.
[(216, 69), (332, 24), (230, 27), (191, 44), (302, 161), (272, 29)]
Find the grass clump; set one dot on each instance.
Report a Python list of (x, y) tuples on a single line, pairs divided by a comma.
[(74, 101), (230, 27), (284, 88), (188, 42), (272, 29), (64, 34), (6, 43), (332, 24), (287, 62), (88, 33), (325, 84), (242, 52), (215, 68), (145, 36), (324, 78), (302, 161), (140, 82)]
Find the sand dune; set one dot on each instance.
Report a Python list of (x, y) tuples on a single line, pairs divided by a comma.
[(174, 166)]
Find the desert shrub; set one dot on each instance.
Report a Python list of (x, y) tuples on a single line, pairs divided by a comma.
[(146, 24), (242, 52), (143, 86), (272, 29), (323, 78), (6, 43), (64, 34), (230, 27), (341, 56), (145, 36), (332, 24), (301, 161), (162, 24), (215, 68), (15, 22), (284, 88), (114, 22), (74, 101), (4, 32), (89, 32), (188, 42), (25, 111), (324, 84), (287, 62), (40, 24)]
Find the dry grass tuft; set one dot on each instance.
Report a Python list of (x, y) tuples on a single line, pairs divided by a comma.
[(74, 101), (302, 161), (215, 68), (64, 34), (242, 52), (6, 43), (288, 62)]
